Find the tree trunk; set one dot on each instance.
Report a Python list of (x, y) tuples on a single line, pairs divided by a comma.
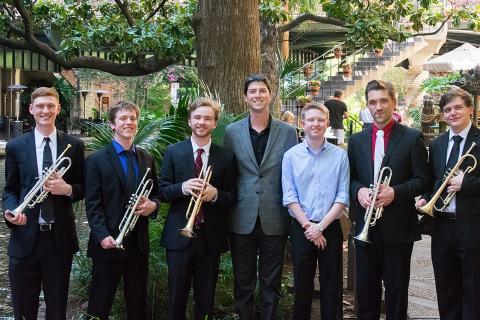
[(228, 47), (270, 61)]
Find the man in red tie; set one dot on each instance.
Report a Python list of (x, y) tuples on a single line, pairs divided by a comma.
[(197, 255)]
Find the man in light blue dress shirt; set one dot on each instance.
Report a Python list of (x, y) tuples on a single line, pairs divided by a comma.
[(315, 180)]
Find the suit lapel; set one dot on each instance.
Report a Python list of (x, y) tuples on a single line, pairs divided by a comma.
[(32, 154), (61, 145), (472, 137), (246, 141), (366, 144), (116, 165), (272, 138), (212, 157), (443, 143), (142, 163)]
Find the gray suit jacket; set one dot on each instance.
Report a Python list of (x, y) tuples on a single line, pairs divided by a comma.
[(259, 187)]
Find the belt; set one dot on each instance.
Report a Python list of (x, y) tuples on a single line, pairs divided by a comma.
[(445, 215), (46, 227)]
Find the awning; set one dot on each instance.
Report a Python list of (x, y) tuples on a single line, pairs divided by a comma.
[(462, 58), (26, 60)]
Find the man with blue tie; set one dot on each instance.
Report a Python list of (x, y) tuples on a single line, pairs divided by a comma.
[(112, 176), (315, 181), (43, 238)]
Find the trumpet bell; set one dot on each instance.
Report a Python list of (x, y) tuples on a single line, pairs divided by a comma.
[(427, 208)]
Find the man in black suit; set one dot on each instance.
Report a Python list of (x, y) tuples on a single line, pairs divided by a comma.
[(112, 176), (456, 236), (43, 239), (387, 256), (196, 258)]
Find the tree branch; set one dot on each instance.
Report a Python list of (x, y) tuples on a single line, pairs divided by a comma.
[(160, 6), (27, 22), (149, 65), (126, 13), (310, 17), (436, 31)]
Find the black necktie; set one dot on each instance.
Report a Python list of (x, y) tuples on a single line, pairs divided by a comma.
[(131, 179), (453, 158), (47, 204), (452, 161)]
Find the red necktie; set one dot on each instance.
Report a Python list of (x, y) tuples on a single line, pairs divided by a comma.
[(198, 169)]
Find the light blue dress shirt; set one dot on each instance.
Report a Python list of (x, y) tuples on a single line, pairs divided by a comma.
[(315, 180)]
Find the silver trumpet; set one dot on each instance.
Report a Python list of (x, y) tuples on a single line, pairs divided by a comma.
[(130, 218), (37, 194), (373, 214)]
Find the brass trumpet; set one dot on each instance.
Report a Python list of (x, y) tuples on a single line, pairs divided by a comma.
[(196, 204), (129, 219), (33, 197), (372, 214), (430, 205)]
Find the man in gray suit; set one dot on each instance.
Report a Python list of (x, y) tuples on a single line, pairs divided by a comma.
[(258, 223)]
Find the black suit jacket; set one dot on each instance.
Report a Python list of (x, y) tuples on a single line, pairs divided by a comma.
[(21, 175), (467, 199), (177, 167), (106, 200), (406, 155)]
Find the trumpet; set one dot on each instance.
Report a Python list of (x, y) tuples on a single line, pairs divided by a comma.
[(37, 194), (372, 214), (129, 219), (449, 175), (195, 204)]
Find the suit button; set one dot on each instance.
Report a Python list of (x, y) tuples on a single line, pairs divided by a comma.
[(257, 192), (261, 176)]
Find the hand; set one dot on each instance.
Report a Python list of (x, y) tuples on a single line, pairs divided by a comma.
[(209, 193), (364, 197), (320, 242), (385, 196), (420, 203), (455, 184), (19, 220), (57, 186), (145, 207), (192, 186), (312, 232), (108, 243)]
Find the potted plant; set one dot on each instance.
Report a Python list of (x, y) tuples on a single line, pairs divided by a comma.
[(314, 87), (307, 70), (303, 100)]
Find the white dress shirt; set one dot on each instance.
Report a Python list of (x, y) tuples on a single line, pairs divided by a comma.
[(452, 205), (39, 146)]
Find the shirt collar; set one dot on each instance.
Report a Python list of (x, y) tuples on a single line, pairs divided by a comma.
[(324, 146), (268, 124), (205, 148), (387, 129), (39, 137), (119, 149), (462, 134)]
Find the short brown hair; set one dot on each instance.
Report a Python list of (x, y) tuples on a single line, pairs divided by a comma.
[(315, 106), (44, 92), (122, 105), (452, 93), (376, 85), (204, 102)]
